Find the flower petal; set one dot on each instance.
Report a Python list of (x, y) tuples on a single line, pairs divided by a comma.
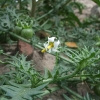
[(51, 39), (54, 50), (46, 45), (56, 44), (49, 50)]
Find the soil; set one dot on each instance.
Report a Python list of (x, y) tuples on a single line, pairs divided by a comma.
[(47, 60)]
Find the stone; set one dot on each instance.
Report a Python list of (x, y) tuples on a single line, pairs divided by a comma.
[(43, 61), (25, 48)]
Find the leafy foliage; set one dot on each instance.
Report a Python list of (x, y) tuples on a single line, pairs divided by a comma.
[(19, 92), (58, 18), (62, 8)]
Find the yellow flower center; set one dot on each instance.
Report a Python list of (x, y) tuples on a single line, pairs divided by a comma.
[(51, 45)]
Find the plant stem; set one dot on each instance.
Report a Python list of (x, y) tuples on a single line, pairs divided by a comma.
[(62, 77), (19, 37), (20, 4), (89, 75), (70, 75), (57, 58), (72, 92), (33, 8), (51, 90), (45, 15)]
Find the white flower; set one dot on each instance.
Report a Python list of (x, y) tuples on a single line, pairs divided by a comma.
[(51, 45)]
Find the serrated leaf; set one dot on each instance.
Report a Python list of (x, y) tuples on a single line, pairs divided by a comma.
[(3, 98), (19, 92), (85, 62), (56, 74), (6, 22)]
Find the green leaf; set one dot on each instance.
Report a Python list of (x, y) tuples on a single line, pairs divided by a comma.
[(1, 51), (19, 92), (6, 22), (56, 74), (87, 97), (85, 62), (3, 98), (49, 74), (73, 17), (78, 5), (72, 92)]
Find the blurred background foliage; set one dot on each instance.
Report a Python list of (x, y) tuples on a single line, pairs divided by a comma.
[(56, 17)]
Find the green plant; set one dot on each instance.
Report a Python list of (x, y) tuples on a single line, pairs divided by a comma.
[(55, 9), (78, 60), (7, 19), (17, 91), (72, 65)]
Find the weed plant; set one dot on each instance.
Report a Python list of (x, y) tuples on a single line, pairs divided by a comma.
[(72, 66)]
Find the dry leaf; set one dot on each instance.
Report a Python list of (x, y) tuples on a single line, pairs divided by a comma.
[(71, 44)]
